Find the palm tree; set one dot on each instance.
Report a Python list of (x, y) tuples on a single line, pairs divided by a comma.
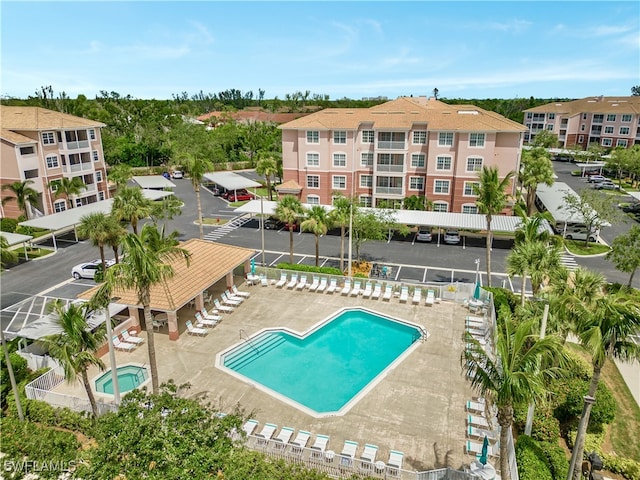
[(288, 210), (7, 256), (512, 377), (197, 166), (76, 345), (131, 206), (536, 168), (145, 264), (100, 228), (120, 174), (268, 167), (24, 195), (68, 187), (340, 216), (317, 222), (492, 199)]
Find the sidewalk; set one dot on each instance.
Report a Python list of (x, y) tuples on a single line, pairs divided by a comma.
[(631, 374)]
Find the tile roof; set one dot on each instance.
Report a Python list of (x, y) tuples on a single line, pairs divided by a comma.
[(209, 263), (15, 138), (405, 112), (592, 105), (36, 118), (289, 185)]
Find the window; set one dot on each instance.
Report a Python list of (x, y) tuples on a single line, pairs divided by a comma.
[(92, 134), (27, 150), (54, 184), (440, 207), (339, 159), (368, 136), (366, 160), (94, 154), (550, 126), (340, 136), (339, 182), (443, 163), (582, 127), (416, 183), (469, 208), (365, 201), (418, 160), (529, 115), (48, 138), (551, 116), (606, 142), (476, 139), (60, 206), (627, 118), (611, 117), (445, 139), (621, 142), (52, 161), (313, 159), (366, 181), (31, 173), (419, 137), (313, 136), (470, 188), (313, 199), (598, 118), (441, 186), (313, 181), (474, 164), (98, 176), (580, 138), (584, 116), (624, 130), (608, 129), (100, 196)]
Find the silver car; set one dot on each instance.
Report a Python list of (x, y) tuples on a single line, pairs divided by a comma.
[(452, 237), (424, 234)]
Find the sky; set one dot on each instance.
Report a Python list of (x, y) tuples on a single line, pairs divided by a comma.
[(476, 49)]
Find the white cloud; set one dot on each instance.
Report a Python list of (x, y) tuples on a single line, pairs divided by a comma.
[(607, 30)]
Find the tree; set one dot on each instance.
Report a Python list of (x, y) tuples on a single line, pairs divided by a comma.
[(268, 167), (342, 209), (625, 252), (435, 93), (635, 90), (76, 345), (491, 200), (197, 166), (120, 174), (618, 161), (288, 210), (23, 194), (7, 256), (146, 263), (130, 205), (317, 222), (512, 377), (415, 202), (536, 168), (594, 208), (100, 228), (545, 139), (373, 225), (69, 187), (168, 207)]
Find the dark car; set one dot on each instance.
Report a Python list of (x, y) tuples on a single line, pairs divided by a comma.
[(273, 223), (633, 208)]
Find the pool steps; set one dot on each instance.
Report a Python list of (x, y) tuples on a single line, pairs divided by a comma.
[(252, 350)]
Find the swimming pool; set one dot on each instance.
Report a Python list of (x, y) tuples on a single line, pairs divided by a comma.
[(326, 370), (129, 377)]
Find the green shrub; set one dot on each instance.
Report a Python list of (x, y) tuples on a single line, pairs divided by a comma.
[(531, 460), (20, 372), (502, 296), (309, 268), (8, 225), (45, 414), (628, 468), (577, 366), (570, 398), (558, 462), (545, 427)]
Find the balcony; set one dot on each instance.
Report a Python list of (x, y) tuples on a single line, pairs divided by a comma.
[(77, 167), (385, 167), (76, 145), (89, 188), (390, 145), (388, 190)]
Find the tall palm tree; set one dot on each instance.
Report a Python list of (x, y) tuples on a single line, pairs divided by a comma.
[(99, 227), (23, 194), (512, 377), (76, 345), (69, 187), (145, 263), (197, 166), (268, 167), (340, 216), (492, 199), (288, 210), (7, 256), (131, 206), (317, 222), (536, 168)]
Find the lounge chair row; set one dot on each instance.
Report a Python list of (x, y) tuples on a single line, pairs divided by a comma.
[(479, 427), (127, 343)]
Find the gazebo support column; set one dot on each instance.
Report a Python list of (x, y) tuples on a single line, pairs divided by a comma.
[(199, 302), (247, 267), (229, 278), (174, 333), (134, 314)]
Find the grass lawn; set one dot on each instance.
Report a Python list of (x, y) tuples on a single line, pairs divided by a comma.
[(34, 252), (577, 247), (214, 221)]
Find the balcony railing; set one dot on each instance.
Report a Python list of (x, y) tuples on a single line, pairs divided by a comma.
[(390, 145), (385, 167), (78, 167), (89, 188), (388, 190), (77, 144)]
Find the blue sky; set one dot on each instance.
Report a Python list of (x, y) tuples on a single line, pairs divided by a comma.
[(342, 49)]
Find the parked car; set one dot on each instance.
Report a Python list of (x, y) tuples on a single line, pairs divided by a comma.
[(424, 234), (452, 237), (606, 185), (166, 175), (273, 223), (177, 174), (88, 269), (632, 208), (239, 196), (596, 178)]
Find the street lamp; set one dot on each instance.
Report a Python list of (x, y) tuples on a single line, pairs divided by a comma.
[(477, 262)]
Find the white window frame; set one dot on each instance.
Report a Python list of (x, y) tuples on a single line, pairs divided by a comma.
[(550, 127), (469, 206), (339, 182), (367, 203), (551, 116), (468, 191), (27, 154), (59, 206), (366, 159), (444, 158), (52, 161), (312, 180), (627, 117), (343, 157), (366, 181), (446, 139), (583, 127), (419, 137), (476, 168), (622, 130), (48, 138), (607, 142), (98, 176), (313, 137), (418, 160), (92, 134), (94, 154), (608, 130), (339, 137), (622, 142), (368, 136), (478, 141), (438, 206), (419, 180), (313, 199), (54, 184), (317, 157), (611, 117), (100, 196), (442, 182), (580, 138)]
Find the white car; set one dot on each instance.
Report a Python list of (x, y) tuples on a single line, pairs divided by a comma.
[(88, 269), (424, 234), (452, 237), (177, 174)]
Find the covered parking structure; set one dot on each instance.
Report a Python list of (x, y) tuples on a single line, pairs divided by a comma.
[(14, 240), (209, 263), (230, 180), (153, 182)]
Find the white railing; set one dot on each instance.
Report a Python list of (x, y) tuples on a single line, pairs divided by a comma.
[(76, 145), (38, 388), (77, 167), (386, 167), (389, 145), (511, 455), (388, 190)]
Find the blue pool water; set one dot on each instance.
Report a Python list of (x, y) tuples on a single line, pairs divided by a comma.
[(129, 377), (326, 369)]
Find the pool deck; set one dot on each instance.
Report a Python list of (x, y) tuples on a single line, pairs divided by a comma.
[(418, 408)]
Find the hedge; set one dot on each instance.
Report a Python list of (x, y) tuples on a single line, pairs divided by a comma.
[(309, 268), (628, 468), (532, 460)]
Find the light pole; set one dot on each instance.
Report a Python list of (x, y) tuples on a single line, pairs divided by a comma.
[(477, 262), (532, 405), (350, 237)]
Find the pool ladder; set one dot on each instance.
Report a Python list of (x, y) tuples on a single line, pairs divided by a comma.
[(424, 335), (245, 337)]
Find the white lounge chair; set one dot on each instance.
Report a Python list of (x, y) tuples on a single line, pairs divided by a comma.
[(322, 286), (283, 437), (368, 456), (195, 330), (294, 281), (348, 453), (368, 290), (239, 293), (475, 406), (302, 283), (377, 291), (282, 281), (394, 464), (249, 426), (404, 294), (356, 289), (319, 446), (130, 338), (347, 287), (475, 321), (475, 448), (220, 307), (417, 295), (200, 320), (388, 292), (299, 443), (266, 433), (315, 284), (231, 299), (333, 284), (263, 281), (120, 345), (431, 297), (210, 316), (480, 433), (477, 421)]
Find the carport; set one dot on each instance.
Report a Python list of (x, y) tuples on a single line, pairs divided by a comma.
[(590, 166), (230, 180), (153, 182), (209, 263), (14, 239)]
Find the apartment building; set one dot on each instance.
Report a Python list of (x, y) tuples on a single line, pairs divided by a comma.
[(608, 121), (404, 147), (44, 146)]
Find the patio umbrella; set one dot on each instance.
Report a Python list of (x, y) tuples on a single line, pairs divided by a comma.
[(476, 292), (485, 451), (253, 266)]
